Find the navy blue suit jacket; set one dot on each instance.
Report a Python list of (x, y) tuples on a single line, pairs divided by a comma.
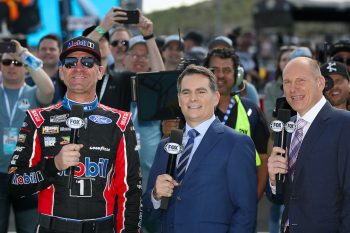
[(318, 199), (218, 193)]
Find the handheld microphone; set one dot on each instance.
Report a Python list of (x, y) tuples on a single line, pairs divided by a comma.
[(173, 148), (75, 122), (282, 126)]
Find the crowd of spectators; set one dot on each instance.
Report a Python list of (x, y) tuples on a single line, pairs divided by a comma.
[(254, 74)]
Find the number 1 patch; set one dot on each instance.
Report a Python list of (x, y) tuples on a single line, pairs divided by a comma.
[(81, 187)]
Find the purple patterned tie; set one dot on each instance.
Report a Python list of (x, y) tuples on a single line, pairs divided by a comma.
[(182, 164), (295, 145)]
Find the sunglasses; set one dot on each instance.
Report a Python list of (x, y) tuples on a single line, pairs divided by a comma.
[(122, 42), (7, 62), (86, 62), (343, 60)]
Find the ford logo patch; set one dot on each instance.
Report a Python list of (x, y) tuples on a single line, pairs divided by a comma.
[(100, 119)]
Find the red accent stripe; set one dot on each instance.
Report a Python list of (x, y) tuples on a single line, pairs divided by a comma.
[(35, 159), (46, 200), (120, 184)]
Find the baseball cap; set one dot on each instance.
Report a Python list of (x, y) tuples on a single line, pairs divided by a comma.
[(333, 67), (81, 43), (172, 38), (197, 53), (88, 30), (341, 45), (300, 52), (136, 40), (220, 40)]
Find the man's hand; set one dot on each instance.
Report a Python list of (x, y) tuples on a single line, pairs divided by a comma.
[(68, 156), (164, 187), (277, 164), (145, 25), (112, 17), (19, 50)]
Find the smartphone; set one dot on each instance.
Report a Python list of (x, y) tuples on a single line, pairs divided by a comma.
[(7, 47), (132, 15)]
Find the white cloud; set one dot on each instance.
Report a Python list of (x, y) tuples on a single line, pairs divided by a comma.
[(157, 5)]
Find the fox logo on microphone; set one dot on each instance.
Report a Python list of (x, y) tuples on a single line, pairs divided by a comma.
[(277, 126), (172, 148)]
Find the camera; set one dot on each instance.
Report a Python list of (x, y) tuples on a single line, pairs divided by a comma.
[(7, 47), (132, 15)]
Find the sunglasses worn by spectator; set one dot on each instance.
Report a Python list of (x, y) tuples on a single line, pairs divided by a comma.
[(86, 62), (7, 62), (122, 42), (343, 60)]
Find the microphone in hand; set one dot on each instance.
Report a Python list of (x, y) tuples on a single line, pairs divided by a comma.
[(173, 148), (74, 122), (283, 128)]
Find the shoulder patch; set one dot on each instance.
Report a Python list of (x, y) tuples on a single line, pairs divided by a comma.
[(124, 117), (36, 116)]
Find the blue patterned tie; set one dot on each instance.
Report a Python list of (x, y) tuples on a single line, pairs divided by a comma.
[(181, 166), (295, 145)]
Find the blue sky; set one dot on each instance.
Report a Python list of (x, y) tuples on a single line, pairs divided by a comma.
[(50, 18)]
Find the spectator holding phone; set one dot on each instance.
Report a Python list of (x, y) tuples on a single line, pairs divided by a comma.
[(16, 97), (119, 44)]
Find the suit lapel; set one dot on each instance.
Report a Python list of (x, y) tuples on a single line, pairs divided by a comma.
[(311, 137), (206, 145)]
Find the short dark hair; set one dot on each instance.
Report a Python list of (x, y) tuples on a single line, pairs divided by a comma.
[(195, 36), (193, 69), (224, 53), (51, 37)]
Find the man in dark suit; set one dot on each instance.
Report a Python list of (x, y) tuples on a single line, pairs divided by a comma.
[(317, 187), (218, 188)]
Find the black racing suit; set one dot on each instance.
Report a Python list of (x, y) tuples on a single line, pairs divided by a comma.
[(108, 172)]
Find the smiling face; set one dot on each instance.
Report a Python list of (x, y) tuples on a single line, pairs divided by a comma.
[(223, 68), (196, 100), (49, 52), (339, 94), (172, 53), (136, 59), (81, 81), (302, 84)]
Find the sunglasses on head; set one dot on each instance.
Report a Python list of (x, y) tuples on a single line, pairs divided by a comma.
[(86, 62), (343, 60), (122, 42), (7, 62)]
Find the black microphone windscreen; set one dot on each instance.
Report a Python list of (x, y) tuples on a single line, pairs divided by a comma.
[(283, 115), (77, 110), (176, 136)]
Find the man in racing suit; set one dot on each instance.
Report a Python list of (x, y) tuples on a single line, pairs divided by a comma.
[(107, 169)]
